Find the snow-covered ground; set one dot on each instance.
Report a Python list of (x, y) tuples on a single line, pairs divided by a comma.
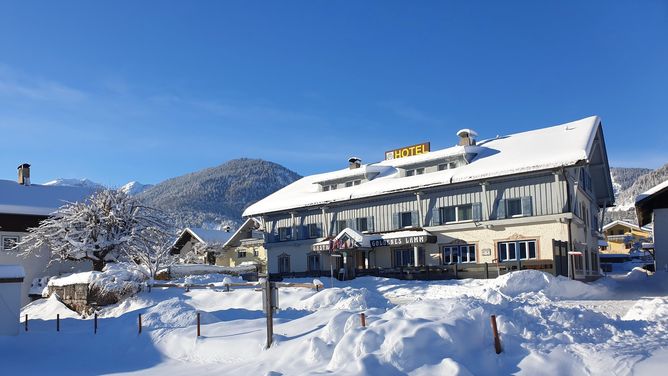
[(548, 325)]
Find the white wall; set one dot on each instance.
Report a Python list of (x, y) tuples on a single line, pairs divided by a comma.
[(10, 308), (661, 239), (37, 266)]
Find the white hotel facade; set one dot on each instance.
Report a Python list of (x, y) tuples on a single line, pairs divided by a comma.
[(527, 200)]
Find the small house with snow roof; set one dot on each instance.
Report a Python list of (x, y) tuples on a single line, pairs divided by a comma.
[(652, 207), (530, 200)]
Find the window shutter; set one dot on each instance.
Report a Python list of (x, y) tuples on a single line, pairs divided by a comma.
[(526, 206), (304, 232), (477, 211), (395, 221), (439, 216), (414, 219), (319, 226), (369, 224), (351, 223), (501, 209)]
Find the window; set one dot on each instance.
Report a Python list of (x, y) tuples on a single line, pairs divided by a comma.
[(313, 230), (447, 166), (284, 233), (241, 254), (410, 172), (284, 263), (353, 182), (313, 262), (362, 224), (522, 250), (9, 242), (419, 171), (256, 253), (460, 213), (340, 225), (329, 187), (514, 207), (406, 219), (406, 257), (459, 253)]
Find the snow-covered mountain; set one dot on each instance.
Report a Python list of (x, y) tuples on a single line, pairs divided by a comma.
[(85, 183), (134, 188), (217, 196)]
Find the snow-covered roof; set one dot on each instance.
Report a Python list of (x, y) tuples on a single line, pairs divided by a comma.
[(541, 149), (622, 223), (209, 236), (12, 271), (38, 199), (652, 191)]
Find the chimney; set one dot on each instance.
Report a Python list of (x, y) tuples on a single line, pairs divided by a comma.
[(354, 162), (24, 174), (466, 137)]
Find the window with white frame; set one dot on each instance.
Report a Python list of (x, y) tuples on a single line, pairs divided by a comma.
[(362, 224), (406, 219), (447, 166), (353, 182), (454, 254), (406, 257), (284, 263), (459, 213), (514, 207), (341, 225), (517, 250), (241, 253), (9, 243), (415, 171), (329, 187), (256, 253)]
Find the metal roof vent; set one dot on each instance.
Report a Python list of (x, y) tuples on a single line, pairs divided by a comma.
[(354, 162)]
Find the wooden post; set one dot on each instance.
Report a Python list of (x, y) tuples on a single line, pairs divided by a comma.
[(58, 322), (269, 312), (456, 271), (497, 341), (198, 331), (26, 322), (486, 271), (363, 319), (95, 326), (139, 324)]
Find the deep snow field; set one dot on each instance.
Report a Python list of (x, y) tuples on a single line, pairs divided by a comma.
[(548, 326)]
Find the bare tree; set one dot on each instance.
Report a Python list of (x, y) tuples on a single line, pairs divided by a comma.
[(151, 251)]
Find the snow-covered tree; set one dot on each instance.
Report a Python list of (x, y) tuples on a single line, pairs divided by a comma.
[(99, 229), (151, 251)]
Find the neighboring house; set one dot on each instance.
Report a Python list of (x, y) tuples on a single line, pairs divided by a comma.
[(623, 237), (526, 200), (652, 207), (246, 246), (24, 205), (211, 241)]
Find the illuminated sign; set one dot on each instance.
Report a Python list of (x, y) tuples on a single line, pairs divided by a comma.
[(408, 151)]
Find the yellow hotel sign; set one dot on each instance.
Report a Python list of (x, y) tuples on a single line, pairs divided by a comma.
[(407, 151)]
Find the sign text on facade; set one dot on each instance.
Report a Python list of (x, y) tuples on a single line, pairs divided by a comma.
[(408, 151)]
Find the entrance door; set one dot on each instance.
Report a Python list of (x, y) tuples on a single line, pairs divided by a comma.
[(560, 255)]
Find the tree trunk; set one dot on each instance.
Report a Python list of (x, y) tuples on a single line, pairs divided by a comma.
[(98, 265)]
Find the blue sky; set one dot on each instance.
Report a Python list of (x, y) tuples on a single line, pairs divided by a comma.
[(128, 90)]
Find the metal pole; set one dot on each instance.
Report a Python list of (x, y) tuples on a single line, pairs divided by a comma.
[(58, 322), (26, 322), (139, 323), (198, 321), (95, 326)]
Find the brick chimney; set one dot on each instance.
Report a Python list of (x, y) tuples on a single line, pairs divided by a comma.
[(24, 174)]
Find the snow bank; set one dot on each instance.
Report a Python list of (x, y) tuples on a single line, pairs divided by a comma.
[(72, 279), (649, 310), (47, 309), (516, 284), (171, 313), (347, 298)]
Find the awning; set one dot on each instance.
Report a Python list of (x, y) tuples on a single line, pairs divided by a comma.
[(351, 239)]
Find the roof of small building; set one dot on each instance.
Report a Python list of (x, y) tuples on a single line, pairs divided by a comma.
[(35, 199), (646, 202), (209, 236), (541, 149), (622, 223), (12, 271)]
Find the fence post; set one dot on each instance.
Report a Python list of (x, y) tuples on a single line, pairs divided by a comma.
[(363, 319), (58, 322), (198, 331), (95, 326), (268, 304), (456, 271), (26, 322), (495, 332), (486, 271), (139, 324)]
